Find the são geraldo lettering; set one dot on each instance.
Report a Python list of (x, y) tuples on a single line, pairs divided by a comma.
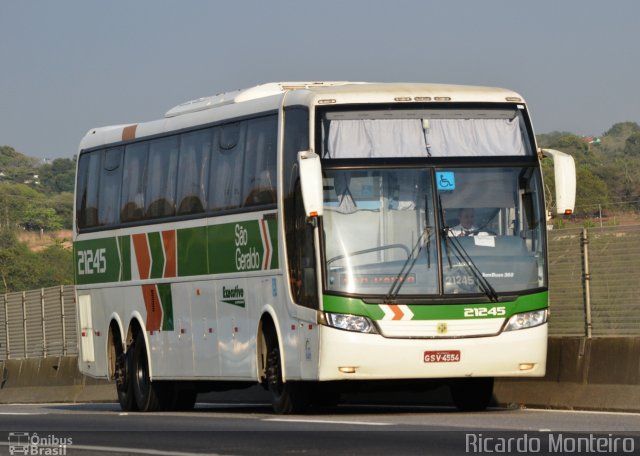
[(245, 260)]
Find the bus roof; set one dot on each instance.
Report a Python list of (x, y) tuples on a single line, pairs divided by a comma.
[(269, 96)]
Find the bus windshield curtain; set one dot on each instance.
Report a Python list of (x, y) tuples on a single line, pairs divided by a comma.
[(371, 138)]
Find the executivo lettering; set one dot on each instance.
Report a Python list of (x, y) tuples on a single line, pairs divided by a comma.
[(233, 296)]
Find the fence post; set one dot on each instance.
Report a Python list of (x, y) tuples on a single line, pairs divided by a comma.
[(600, 215), (44, 325), (586, 278), (6, 322), (64, 329), (24, 322)]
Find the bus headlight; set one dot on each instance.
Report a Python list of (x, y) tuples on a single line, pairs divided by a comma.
[(348, 322), (526, 320)]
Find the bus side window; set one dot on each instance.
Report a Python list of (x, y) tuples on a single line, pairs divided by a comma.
[(110, 185), (133, 182), (227, 161), (87, 192), (298, 233), (260, 162), (161, 177), (193, 172)]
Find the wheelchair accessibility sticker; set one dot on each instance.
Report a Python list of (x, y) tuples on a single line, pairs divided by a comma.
[(445, 180)]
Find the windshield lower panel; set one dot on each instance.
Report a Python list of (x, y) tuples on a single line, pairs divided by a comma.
[(397, 233)]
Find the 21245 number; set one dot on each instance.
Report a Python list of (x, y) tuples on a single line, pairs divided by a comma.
[(92, 261), (484, 312)]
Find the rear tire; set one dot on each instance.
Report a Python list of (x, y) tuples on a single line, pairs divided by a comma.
[(148, 394), (124, 382), (472, 394)]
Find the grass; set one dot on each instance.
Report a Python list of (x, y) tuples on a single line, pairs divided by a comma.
[(38, 242)]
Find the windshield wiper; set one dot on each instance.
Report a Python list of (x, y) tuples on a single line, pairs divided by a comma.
[(423, 240), (484, 284), (460, 251)]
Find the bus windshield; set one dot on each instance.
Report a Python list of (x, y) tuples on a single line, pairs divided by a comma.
[(433, 231)]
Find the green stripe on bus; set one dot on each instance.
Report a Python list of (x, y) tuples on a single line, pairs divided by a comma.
[(235, 247), (192, 251), (272, 223), (164, 291), (250, 245), (339, 304), (157, 255), (96, 261), (125, 257)]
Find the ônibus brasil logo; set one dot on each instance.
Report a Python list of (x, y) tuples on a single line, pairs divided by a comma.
[(34, 444)]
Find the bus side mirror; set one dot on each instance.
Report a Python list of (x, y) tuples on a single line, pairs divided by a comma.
[(311, 182), (564, 170)]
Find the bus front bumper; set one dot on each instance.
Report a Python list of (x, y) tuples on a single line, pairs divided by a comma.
[(346, 355)]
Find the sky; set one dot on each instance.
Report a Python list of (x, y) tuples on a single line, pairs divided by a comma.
[(70, 65)]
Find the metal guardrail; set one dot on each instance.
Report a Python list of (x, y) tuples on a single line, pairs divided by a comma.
[(594, 282), (38, 323)]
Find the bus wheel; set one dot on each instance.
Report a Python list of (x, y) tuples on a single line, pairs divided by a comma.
[(471, 394), (124, 383), (145, 391), (286, 397)]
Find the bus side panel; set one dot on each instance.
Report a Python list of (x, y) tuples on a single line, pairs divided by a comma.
[(171, 346), (204, 328), (308, 346), (236, 337), (93, 330)]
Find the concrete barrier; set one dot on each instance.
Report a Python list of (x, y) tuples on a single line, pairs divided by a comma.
[(590, 374), (54, 379)]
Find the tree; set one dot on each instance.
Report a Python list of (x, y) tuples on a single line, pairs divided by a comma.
[(632, 144), (59, 176), (17, 167), (54, 267), (574, 146), (622, 129), (14, 198), (613, 141), (63, 204), (36, 216), (22, 269), (16, 266), (591, 191), (21, 205)]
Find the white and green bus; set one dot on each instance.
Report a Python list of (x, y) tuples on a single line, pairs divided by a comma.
[(315, 238)]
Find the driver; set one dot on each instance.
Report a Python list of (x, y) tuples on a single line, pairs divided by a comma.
[(466, 227)]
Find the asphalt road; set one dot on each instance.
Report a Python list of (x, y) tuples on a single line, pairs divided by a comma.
[(251, 429)]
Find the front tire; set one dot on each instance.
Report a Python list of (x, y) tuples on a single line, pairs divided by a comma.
[(286, 397)]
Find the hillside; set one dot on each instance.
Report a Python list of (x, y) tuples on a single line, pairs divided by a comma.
[(35, 195), (608, 168), (38, 242)]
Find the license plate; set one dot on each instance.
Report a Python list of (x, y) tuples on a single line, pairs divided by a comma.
[(442, 356)]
